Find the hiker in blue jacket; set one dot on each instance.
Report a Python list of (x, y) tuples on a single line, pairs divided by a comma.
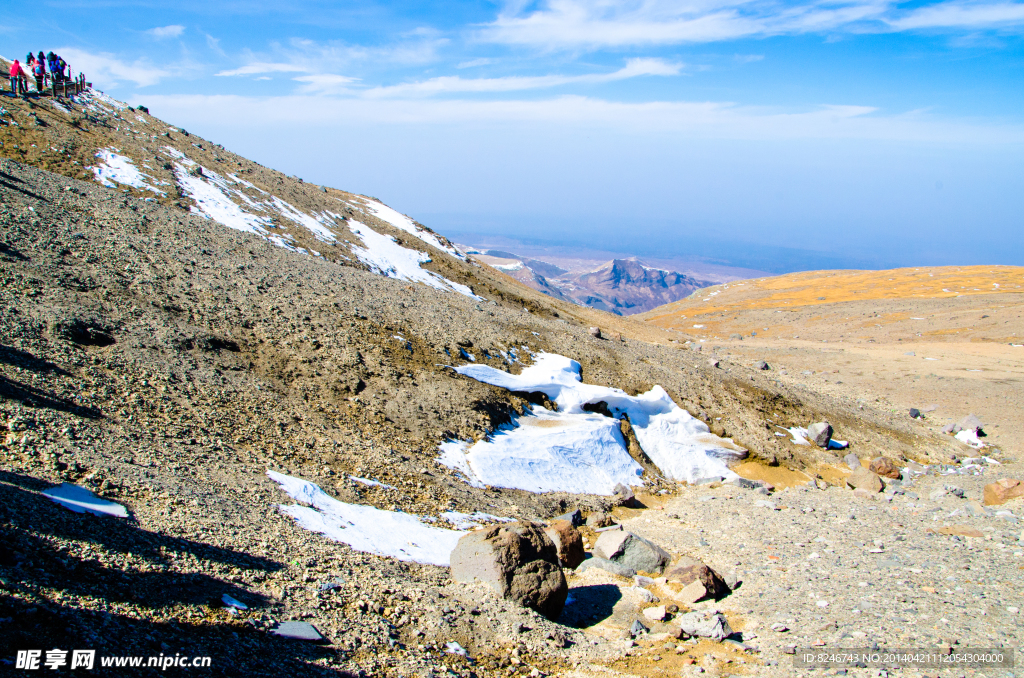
[(39, 72)]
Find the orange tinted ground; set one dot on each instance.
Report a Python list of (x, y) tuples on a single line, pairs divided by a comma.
[(813, 288)]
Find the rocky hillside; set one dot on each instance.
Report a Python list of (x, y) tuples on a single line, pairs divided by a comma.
[(193, 336), (619, 286)]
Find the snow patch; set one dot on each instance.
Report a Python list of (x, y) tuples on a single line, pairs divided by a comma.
[(365, 528), (81, 500), (114, 167), (404, 223), (469, 521), (385, 256), (800, 438), (372, 483), (574, 450)]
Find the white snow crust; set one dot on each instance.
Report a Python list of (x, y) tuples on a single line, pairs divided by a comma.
[(469, 521), (573, 450), (114, 167), (81, 500), (404, 223), (365, 528), (386, 257)]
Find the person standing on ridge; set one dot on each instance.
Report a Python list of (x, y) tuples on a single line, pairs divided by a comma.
[(17, 79), (41, 61), (39, 71)]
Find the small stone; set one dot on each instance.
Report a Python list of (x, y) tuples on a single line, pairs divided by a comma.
[(699, 581), (762, 365), (937, 494), (960, 531), (861, 493), (820, 433), (968, 423), (599, 519), (624, 495), (915, 413), (885, 467), (863, 479), (714, 362), (852, 460), (705, 624), (595, 332), (575, 517), (657, 613), (1002, 491), (297, 631), (637, 628)]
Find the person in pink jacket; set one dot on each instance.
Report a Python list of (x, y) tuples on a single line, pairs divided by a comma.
[(18, 77)]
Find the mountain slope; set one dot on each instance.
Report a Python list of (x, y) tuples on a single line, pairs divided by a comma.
[(166, 350)]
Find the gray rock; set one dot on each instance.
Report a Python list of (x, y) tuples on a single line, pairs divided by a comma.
[(705, 624), (714, 362), (852, 460), (762, 365), (909, 353), (624, 495), (632, 551), (736, 336), (863, 479), (575, 517), (595, 332), (298, 631), (599, 519), (820, 433), (517, 561), (968, 423), (637, 628), (955, 491), (915, 413), (949, 428), (607, 566), (747, 484)]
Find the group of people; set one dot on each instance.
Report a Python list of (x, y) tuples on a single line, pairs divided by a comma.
[(47, 69)]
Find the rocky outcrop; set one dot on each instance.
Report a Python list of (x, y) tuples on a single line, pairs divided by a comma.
[(515, 560)]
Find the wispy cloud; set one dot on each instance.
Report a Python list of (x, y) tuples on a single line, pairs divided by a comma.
[(261, 67), (473, 63), (704, 120), (599, 23), (109, 70), (166, 31), (451, 84), (324, 83)]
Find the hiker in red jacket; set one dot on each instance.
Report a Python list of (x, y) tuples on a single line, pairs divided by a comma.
[(17, 79)]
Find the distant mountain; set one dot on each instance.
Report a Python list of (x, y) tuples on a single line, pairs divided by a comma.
[(621, 286)]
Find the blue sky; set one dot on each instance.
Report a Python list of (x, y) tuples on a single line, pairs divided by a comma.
[(797, 134)]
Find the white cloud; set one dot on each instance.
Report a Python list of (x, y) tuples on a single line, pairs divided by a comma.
[(166, 32), (473, 63), (703, 120), (324, 83), (260, 67), (962, 15), (108, 70), (451, 83), (214, 44), (603, 23)]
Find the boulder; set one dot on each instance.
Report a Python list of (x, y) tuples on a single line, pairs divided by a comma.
[(820, 433), (624, 495), (968, 423), (656, 614), (699, 581), (575, 517), (1002, 491), (515, 560), (762, 365), (852, 460), (705, 624), (632, 551), (595, 332), (885, 467), (863, 479), (607, 566), (599, 519), (915, 413), (568, 542)]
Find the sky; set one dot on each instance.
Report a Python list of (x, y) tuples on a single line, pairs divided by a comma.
[(774, 134)]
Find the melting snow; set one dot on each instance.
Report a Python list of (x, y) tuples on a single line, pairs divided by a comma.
[(372, 483), (365, 528), (404, 223), (115, 167), (81, 500), (573, 450), (468, 521), (800, 438), (385, 256)]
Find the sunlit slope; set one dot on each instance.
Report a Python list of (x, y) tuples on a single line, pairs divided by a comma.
[(975, 303)]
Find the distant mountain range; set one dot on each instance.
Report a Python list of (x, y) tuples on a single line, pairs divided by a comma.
[(621, 286)]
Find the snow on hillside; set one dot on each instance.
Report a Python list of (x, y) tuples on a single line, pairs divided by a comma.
[(404, 223), (573, 450), (114, 167), (365, 528), (385, 256)]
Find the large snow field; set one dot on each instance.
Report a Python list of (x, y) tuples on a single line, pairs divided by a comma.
[(365, 528), (573, 450)]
